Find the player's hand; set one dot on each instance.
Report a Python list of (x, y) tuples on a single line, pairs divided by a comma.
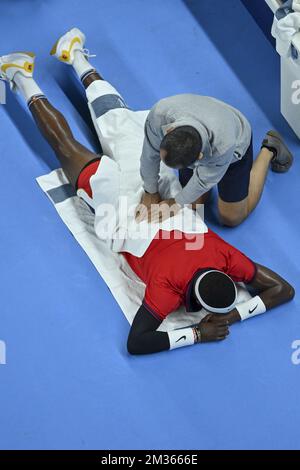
[(144, 208), (212, 331), (230, 317)]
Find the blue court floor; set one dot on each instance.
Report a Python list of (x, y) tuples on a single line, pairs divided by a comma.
[(69, 382)]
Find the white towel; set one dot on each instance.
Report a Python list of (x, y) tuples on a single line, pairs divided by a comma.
[(284, 31), (121, 135)]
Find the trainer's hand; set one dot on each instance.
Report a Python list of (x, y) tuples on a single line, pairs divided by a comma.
[(211, 331), (164, 210), (144, 208)]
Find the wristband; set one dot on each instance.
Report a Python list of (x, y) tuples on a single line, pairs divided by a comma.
[(251, 308), (180, 338)]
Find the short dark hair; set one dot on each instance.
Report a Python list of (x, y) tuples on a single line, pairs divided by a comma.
[(182, 146)]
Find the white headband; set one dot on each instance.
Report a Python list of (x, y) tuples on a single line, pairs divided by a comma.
[(208, 307)]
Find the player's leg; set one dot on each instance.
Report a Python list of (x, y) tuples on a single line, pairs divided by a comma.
[(72, 155), (117, 131), (17, 70)]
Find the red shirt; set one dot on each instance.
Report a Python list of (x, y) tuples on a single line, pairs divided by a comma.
[(168, 266)]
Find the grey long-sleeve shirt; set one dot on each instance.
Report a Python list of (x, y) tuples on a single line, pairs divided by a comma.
[(225, 133)]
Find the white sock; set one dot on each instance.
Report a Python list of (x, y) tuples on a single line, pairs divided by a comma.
[(27, 86), (81, 64)]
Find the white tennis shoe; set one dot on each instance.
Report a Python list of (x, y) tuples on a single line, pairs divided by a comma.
[(66, 45), (10, 64)]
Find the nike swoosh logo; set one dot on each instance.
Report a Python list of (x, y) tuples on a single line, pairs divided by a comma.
[(182, 337), (251, 311)]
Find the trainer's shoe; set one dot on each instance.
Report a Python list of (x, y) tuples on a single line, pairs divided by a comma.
[(10, 64), (67, 44), (283, 159)]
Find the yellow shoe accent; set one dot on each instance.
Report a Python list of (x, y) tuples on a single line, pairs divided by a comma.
[(65, 54), (28, 67), (31, 54)]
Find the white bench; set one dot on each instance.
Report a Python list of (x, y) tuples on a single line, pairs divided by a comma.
[(290, 81)]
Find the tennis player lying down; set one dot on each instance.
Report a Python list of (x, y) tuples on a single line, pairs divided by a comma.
[(173, 274)]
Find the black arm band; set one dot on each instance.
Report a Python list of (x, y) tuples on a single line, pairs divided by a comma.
[(143, 337)]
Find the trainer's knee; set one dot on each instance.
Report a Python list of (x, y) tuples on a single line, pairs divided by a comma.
[(233, 214), (231, 220)]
